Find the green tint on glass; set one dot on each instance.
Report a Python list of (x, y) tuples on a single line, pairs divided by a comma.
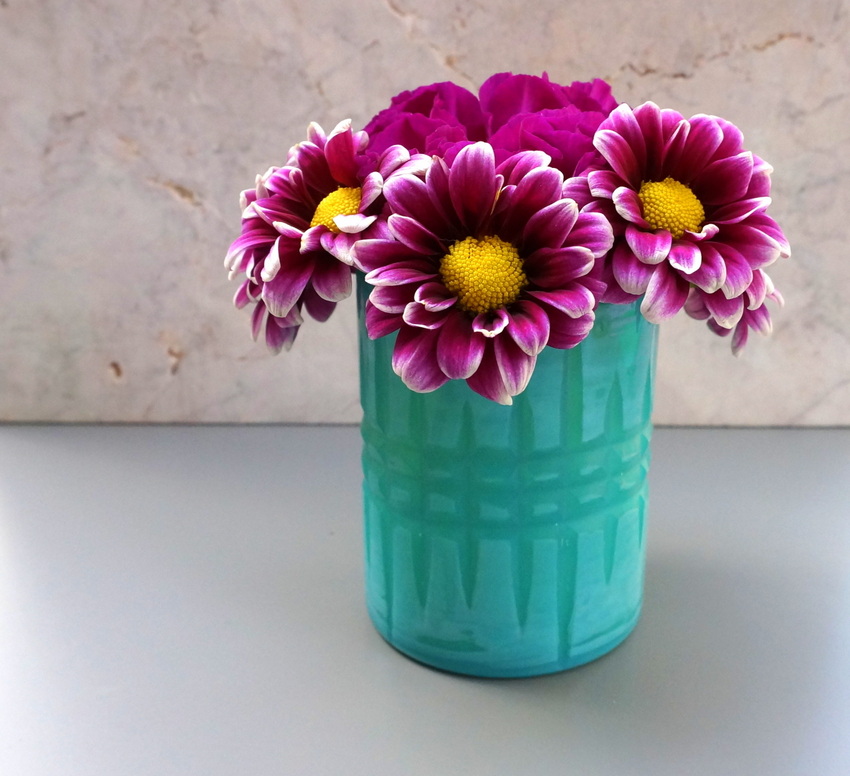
[(509, 541)]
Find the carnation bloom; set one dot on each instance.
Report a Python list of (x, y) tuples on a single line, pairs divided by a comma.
[(298, 226), (687, 204), (512, 112), (481, 267)]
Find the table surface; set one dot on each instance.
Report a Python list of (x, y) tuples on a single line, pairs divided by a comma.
[(188, 600)]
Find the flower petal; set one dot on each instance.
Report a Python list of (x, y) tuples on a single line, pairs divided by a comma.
[(592, 230), (726, 312), (575, 301), (435, 296), (711, 273), (331, 279), (666, 294), (459, 349), (473, 185), (528, 327), (515, 365), (354, 223), (629, 206), (552, 268), (379, 323), (631, 274), (487, 379), (549, 226), (725, 180), (402, 273), (415, 359), (491, 324), (339, 152), (649, 247), (685, 257), (418, 315), (415, 236)]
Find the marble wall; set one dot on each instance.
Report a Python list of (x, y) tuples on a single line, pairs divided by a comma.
[(128, 129)]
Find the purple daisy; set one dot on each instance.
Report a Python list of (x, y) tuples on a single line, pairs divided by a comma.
[(687, 203), (298, 226), (480, 268)]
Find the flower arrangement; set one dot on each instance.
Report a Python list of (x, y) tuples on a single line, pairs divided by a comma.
[(492, 226)]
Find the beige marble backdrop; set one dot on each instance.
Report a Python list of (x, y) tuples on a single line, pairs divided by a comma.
[(128, 128)]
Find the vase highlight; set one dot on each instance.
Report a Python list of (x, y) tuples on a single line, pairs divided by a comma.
[(507, 541)]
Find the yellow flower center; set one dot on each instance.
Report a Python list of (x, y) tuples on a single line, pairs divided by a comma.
[(671, 205), (485, 274), (342, 202)]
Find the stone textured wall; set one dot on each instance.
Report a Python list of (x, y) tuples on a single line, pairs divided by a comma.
[(128, 129)]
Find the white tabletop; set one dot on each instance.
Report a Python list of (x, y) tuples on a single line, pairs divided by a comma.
[(188, 601)]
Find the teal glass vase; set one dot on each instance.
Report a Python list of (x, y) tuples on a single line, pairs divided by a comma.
[(507, 541)]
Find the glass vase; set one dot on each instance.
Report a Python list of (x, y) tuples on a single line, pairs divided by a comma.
[(507, 541)]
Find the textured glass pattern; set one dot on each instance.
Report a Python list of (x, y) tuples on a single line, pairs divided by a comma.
[(509, 541)]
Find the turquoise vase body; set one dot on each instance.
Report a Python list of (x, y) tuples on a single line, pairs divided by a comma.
[(509, 541)]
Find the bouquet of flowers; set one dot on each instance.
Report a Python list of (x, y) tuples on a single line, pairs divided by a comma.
[(492, 226)]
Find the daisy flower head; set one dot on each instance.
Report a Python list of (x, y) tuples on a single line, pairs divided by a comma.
[(687, 203), (481, 267), (298, 225)]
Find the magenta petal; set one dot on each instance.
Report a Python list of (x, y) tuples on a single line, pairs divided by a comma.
[(727, 312), (517, 166), (370, 255), (379, 323), (629, 206), (685, 257), (711, 273), (370, 190), (515, 366), (353, 224), (435, 296), (415, 359), (311, 240), (725, 180), (631, 274), (417, 315), (666, 294), (758, 289), (340, 245), (550, 226), (487, 380), (528, 326), (331, 280), (557, 267), (490, 324), (619, 155), (603, 183), (703, 137), (402, 274), (592, 230), (473, 184), (649, 247), (284, 289), (339, 151), (575, 302), (279, 337), (408, 195), (415, 236), (735, 212), (318, 308), (739, 273), (459, 349), (391, 299), (567, 332)]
